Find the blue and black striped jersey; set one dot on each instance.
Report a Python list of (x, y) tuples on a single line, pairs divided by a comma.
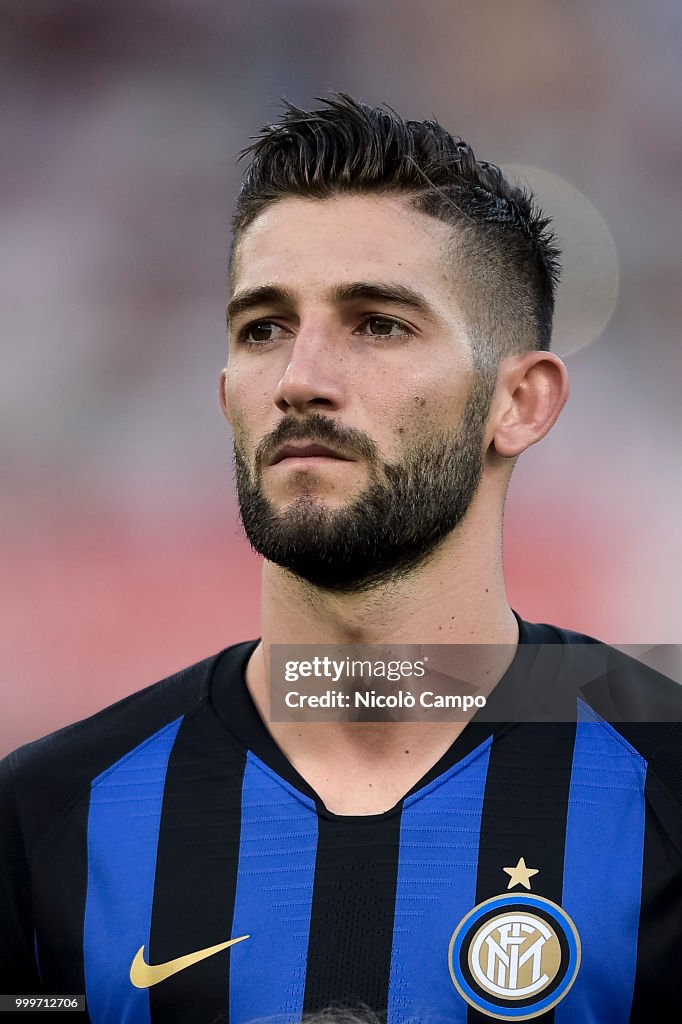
[(164, 858)]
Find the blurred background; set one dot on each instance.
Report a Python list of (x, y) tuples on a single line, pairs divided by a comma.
[(121, 556)]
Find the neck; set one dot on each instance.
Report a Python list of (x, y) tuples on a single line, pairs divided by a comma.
[(457, 597)]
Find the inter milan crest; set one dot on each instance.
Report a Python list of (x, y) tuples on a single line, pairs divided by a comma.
[(516, 955)]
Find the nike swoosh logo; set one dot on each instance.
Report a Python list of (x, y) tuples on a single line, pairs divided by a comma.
[(144, 975)]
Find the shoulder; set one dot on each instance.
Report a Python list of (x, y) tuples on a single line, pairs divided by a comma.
[(44, 778), (616, 685), (642, 705), (620, 687)]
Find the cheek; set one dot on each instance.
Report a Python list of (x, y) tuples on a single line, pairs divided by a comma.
[(250, 385), (250, 408), (238, 389), (441, 405), (427, 414), (234, 402)]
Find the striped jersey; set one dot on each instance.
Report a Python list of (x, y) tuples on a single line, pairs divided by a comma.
[(165, 859)]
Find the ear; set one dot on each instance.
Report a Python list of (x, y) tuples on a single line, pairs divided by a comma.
[(531, 392), (222, 396)]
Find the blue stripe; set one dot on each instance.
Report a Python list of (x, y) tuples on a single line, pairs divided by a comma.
[(277, 851), (123, 830), (603, 871), (439, 838)]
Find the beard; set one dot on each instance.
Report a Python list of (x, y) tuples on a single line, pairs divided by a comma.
[(392, 526)]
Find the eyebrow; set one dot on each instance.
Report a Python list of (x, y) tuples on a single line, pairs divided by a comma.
[(264, 295), (354, 291)]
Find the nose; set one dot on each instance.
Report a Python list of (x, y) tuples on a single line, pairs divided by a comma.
[(313, 374)]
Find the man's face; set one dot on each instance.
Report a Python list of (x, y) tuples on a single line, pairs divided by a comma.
[(345, 333)]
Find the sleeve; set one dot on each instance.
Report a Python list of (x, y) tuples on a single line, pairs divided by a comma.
[(18, 970)]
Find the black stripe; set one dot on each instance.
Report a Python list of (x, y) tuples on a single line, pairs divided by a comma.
[(351, 926), (196, 870), (524, 814), (59, 902), (235, 707), (658, 979)]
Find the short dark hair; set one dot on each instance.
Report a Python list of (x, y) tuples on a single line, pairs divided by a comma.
[(505, 255)]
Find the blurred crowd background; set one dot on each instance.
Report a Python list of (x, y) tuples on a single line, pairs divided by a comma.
[(120, 551)]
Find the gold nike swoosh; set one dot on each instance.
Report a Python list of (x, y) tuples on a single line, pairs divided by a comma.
[(144, 975)]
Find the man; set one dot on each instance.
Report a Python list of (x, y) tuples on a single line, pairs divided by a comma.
[(185, 856)]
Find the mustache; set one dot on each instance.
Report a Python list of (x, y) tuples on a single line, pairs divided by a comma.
[(317, 429)]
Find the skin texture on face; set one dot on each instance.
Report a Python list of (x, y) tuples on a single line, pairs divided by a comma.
[(345, 331)]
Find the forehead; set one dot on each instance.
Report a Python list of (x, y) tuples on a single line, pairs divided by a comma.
[(304, 241)]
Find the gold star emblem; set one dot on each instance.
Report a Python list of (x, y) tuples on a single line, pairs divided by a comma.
[(520, 875)]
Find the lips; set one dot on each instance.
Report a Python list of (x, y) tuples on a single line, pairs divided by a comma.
[(304, 451)]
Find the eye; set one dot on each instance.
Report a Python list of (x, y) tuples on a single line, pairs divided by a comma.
[(385, 327), (260, 332)]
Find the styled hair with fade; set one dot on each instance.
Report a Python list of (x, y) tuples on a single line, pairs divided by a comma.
[(503, 260)]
